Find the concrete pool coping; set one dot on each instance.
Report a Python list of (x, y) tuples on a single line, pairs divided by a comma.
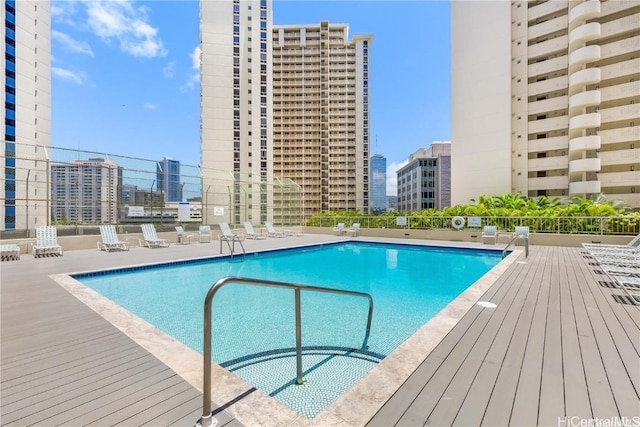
[(252, 407)]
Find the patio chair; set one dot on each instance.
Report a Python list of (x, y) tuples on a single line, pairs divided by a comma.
[(227, 234), (599, 247), (490, 232), (354, 229), (251, 233), (293, 232), (521, 232), (110, 239), (150, 238), (8, 252), (183, 236), (339, 229), (46, 241), (204, 233), (271, 230)]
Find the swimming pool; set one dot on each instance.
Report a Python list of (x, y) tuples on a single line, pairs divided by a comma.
[(254, 331)]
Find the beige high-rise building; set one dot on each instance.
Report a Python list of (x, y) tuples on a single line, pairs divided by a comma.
[(24, 200), (321, 114), (546, 99), (236, 110)]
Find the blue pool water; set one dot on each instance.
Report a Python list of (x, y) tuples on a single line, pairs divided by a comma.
[(254, 327)]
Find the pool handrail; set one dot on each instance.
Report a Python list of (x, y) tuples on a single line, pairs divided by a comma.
[(207, 419)]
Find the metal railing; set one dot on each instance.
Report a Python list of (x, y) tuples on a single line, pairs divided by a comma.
[(207, 419), (513, 239), (232, 244)]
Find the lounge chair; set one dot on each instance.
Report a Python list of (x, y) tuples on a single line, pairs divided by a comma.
[(8, 252), (150, 238), (251, 233), (293, 232), (183, 236), (490, 232), (354, 229), (46, 241), (110, 239), (271, 230), (339, 230), (227, 234), (605, 247), (521, 232), (204, 233)]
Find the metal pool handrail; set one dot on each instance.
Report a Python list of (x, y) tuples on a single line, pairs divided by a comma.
[(207, 419)]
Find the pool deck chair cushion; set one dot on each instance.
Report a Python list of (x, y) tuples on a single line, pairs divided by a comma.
[(110, 239), (46, 241), (490, 232), (150, 238), (183, 236), (271, 230), (204, 234), (354, 229), (251, 233), (8, 252)]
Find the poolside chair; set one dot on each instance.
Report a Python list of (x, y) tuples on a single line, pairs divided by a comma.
[(110, 239), (271, 230), (521, 232), (293, 232), (8, 252), (227, 234), (204, 233), (150, 238), (605, 247), (46, 241), (251, 233), (183, 237), (490, 232), (339, 230), (354, 229)]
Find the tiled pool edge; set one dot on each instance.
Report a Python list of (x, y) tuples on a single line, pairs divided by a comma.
[(355, 407), (363, 400)]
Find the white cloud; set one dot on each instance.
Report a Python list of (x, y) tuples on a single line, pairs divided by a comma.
[(392, 178), (150, 106), (77, 78), (168, 69), (71, 44), (64, 12), (122, 21), (194, 80)]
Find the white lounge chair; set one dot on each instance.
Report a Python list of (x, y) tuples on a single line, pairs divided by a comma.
[(271, 230), (521, 232), (183, 236), (354, 229), (599, 247), (110, 239), (150, 237), (339, 230), (11, 251), (490, 232), (46, 241), (293, 232), (204, 233), (251, 233), (227, 234)]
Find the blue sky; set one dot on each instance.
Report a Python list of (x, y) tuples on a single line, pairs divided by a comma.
[(124, 79)]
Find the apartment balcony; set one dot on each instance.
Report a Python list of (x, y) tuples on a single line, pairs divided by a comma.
[(581, 166), (585, 55), (548, 66), (583, 143), (583, 121), (548, 144), (582, 78), (620, 26), (583, 34), (611, 7), (550, 85), (620, 157), (550, 104), (621, 91), (582, 100), (620, 135), (584, 187), (546, 8), (620, 47), (548, 163), (619, 179), (546, 125), (623, 112), (547, 27), (548, 47), (583, 12), (548, 183)]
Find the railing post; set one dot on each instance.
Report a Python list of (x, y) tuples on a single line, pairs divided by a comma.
[(298, 339)]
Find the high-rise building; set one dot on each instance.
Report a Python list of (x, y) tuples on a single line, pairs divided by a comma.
[(236, 109), (168, 179), (321, 114), (425, 181), (86, 191), (546, 99), (25, 25), (378, 183)]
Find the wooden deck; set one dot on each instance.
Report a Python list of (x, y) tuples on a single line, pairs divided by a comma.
[(557, 345)]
